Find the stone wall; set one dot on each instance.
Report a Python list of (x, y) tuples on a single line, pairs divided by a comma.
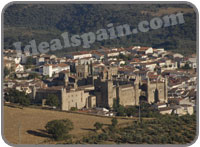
[(82, 71), (68, 99), (74, 98), (156, 92), (126, 95)]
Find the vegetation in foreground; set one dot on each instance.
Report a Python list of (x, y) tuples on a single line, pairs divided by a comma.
[(59, 129), (165, 129)]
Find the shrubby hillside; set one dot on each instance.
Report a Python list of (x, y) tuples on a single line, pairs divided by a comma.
[(46, 22)]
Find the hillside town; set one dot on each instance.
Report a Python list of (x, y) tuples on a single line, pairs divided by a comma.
[(94, 81)]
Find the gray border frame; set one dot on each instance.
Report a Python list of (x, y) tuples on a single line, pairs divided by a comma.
[(100, 2)]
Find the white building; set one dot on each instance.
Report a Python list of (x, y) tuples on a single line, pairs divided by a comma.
[(168, 65), (40, 60), (160, 105), (19, 68), (177, 55), (112, 54), (80, 55), (50, 69), (145, 50), (160, 50), (165, 110), (150, 66), (183, 109), (193, 62), (17, 60)]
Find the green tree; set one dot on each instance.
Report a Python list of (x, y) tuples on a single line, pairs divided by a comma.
[(52, 100), (73, 109), (114, 122), (15, 96), (30, 61), (103, 136), (33, 76), (98, 125), (121, 111), (187, 66), (6, 71), (115, 104), (132, 111), (59, 128), (24, 100)]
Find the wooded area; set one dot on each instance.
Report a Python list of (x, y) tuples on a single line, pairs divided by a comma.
[(45, 22)]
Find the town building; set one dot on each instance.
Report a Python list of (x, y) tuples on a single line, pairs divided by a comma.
[(50, 69), (69, 98)]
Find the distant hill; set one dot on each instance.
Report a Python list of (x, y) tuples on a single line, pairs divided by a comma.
[(46, 22)]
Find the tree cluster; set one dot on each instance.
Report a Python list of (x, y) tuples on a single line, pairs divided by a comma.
[(166, 129), (59, 129), (15, 96)]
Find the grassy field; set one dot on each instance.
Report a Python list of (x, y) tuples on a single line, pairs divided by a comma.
[(26, 126)]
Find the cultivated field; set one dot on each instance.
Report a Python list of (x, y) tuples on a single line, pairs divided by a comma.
[(26, 126)]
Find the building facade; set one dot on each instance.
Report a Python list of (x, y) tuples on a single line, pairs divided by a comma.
[(68, 99)]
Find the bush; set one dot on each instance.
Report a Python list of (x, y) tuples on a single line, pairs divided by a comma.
[(98, 125), (52, 100), (111, 129), (132, 111), (73, 109), (103, 136), (114, 122), (33, 76), (121, 111), (59, 128), (6, 71), (30, 61)]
